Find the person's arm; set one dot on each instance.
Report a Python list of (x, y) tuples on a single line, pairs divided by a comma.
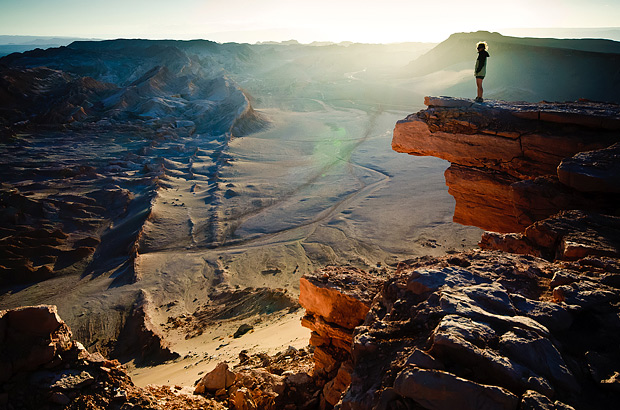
[(481, 61)]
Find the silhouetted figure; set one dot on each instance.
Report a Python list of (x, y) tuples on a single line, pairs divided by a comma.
[(481, 67)]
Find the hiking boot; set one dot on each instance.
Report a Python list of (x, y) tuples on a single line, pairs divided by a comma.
[(478, 99)]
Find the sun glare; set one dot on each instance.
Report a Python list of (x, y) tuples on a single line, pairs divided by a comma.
[(279, 20)]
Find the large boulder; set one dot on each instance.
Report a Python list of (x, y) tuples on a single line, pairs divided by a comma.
[(30, 337), (437, 390), (336, 300), (592, 171), (567, 235), (219, 378), (340, 296)]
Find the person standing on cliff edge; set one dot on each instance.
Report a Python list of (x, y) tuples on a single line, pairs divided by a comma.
[(481, 67)]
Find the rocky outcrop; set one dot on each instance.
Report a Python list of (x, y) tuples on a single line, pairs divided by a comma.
[(489, 329), (31, 337), (261, 381), (336, 300), (568, 235), (592, 171), (482, 330), (42, 366), (505, 157)]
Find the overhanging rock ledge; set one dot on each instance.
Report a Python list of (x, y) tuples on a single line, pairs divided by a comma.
[(505, 155)]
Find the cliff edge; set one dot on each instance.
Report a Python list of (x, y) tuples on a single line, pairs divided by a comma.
[(513, 164)]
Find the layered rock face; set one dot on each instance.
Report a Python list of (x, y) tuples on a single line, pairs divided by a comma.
[(479, 330), (568, 235), (336, 300), (31, 337), (505, 156), (593, 171)]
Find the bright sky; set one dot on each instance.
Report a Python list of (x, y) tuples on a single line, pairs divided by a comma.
[(373, 21)]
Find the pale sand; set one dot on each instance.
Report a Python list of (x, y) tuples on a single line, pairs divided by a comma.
[(317, 188), (203, 353)]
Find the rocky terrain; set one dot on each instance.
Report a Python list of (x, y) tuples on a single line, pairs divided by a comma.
[(532, 322), (481, 329), (44, 367), (80, 151), (170, 220)]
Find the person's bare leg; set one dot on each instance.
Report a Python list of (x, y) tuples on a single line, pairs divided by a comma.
[(479, 85)]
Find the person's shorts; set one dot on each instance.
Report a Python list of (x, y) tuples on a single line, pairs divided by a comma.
[(480, 76)]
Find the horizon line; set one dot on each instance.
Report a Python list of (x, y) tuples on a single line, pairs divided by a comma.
[(291, 40)]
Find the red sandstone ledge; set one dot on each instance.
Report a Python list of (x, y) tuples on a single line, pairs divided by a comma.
[(506, 156)]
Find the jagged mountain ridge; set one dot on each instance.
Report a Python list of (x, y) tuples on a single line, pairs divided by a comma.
[(48, 96), (528, 69)]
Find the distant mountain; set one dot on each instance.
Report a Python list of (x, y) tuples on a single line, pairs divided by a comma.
[(39, 40), (530, 69), (609, 33), (19, 44)]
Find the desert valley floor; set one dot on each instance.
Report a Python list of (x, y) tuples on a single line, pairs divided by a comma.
[(314, 188)]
